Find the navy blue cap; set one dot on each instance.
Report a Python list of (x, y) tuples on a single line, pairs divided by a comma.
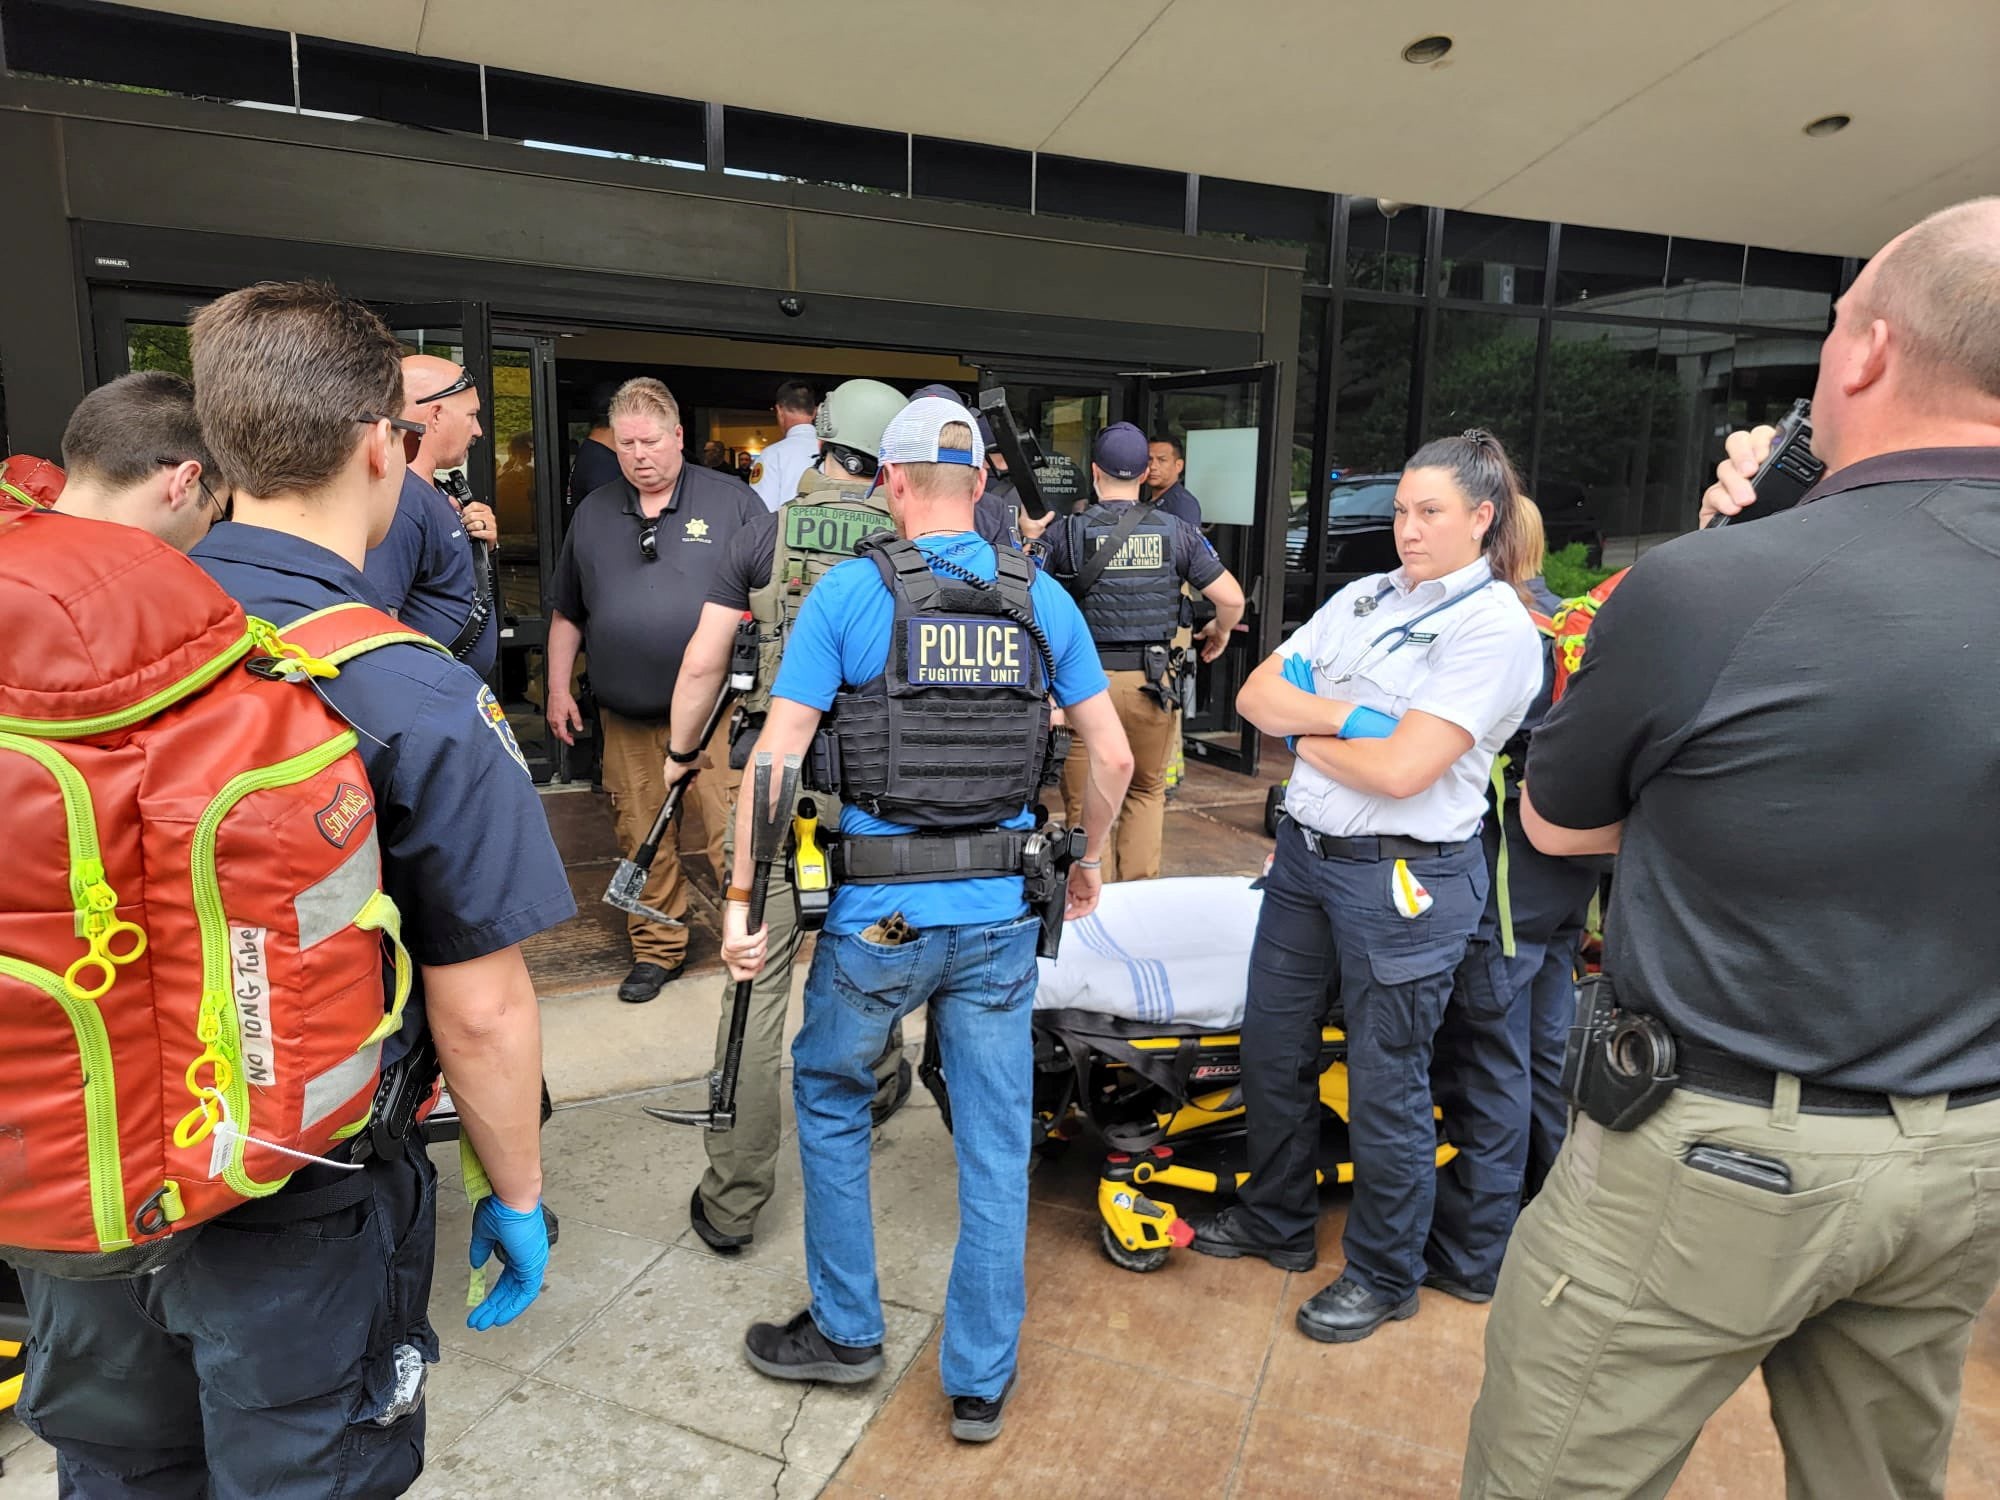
[(1121, 451), (944, 391)]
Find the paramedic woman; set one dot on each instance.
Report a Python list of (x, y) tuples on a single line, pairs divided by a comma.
[(1378, 874)]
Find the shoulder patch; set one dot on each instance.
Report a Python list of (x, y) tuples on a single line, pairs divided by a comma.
[(345, 813), (757, 473), (496, 720)]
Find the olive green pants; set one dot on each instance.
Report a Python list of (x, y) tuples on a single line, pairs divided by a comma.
[(743, 1162), (1639, 1292)]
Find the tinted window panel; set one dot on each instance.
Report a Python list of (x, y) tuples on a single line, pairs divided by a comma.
[(1385, 253), (1273, 215), (1610, 270), (144, 49), (1494, 260), (814, 151), (395, 86), (961, 172), (1084, 189), (1782, 289), (522, 107)]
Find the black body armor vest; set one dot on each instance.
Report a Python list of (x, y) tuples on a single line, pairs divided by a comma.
[(953, 734), (1135, 600)]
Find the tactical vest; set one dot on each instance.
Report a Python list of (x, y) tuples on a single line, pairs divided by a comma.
[(821, 527), (1135, 601), (953, 734)]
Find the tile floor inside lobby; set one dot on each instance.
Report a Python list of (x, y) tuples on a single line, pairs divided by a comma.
[(627, 1379)]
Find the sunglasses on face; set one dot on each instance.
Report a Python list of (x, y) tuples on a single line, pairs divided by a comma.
[(413, 432), (224, 509)]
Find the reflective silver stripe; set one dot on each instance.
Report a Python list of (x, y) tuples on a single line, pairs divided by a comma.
[(333, 904), (338, 1084)]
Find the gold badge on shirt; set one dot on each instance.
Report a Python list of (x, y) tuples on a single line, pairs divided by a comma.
[(695, 530)]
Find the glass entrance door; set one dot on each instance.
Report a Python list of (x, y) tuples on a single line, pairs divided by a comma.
[(1225, 421), (1064, 412)]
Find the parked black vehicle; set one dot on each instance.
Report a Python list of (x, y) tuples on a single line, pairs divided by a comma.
[(1360, 535)]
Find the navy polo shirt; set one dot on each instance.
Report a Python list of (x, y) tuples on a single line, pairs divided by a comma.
[(1194, 560), (466, 851), (1180, 501), (424, 572)]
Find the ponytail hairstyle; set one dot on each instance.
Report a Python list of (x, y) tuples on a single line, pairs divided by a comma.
[(1479, 466)]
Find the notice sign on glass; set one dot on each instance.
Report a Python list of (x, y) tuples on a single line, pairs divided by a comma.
[(1222, 473)]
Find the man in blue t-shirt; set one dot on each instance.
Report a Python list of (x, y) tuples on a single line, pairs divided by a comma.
[(964, 946), (433, 571)]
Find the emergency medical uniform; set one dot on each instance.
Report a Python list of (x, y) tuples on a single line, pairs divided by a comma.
[(863, 652), (1497, 1068), (1133, 606), (775, 475), (1385, 892), (258, 1362), (425, 573)]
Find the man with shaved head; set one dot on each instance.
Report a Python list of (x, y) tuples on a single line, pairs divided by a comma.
[(432, 571), (1788, 1151)]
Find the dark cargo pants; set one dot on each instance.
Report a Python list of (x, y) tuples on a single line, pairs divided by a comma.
[(253, 1365), (1395, 977), (1498, 1064)]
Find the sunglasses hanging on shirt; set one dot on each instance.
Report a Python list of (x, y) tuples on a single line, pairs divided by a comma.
[(649, 541)]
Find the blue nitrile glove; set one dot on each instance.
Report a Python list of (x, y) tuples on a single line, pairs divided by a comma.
[(522, 1240), (1368, 724), (1299, 673)]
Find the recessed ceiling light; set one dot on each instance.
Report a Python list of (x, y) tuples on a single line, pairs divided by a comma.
[(1427, 49), (1829, 125)]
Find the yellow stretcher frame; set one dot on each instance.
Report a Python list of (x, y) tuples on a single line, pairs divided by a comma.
[(1139, 1231)]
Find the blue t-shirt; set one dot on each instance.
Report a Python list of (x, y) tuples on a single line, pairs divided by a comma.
[(466, 851), (841, 639), (423, 572)]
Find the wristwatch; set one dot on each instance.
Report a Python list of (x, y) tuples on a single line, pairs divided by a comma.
[(683, 758)]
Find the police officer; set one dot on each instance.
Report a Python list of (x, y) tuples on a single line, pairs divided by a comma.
[(434, 571), (1496, 1068), (280, 1353), (997, 515), (1378, 875), (1126, 562), (1166, 462), (769, 570), (935, 639)]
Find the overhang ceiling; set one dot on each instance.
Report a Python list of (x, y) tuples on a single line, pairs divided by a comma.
[(1684, 118)]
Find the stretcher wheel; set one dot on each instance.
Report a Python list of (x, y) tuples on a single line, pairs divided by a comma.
[(1130, 1260)]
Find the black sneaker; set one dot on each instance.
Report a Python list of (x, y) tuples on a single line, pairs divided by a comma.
[(1437, 1281), (1223, 1236), (709, 1235), (647, 980), (799, 1351), (892, 1098), (1348, 1312), (974, 1419)]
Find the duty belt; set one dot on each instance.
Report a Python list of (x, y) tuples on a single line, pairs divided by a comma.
[(901, 858), (1708, 1070), (1373, 846), (1122, 658)]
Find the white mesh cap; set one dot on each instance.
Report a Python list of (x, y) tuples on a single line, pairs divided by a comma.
[(912, 434)]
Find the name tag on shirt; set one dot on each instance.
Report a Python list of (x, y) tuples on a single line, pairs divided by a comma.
[(829, 528), (953, 651), (1143, 551)]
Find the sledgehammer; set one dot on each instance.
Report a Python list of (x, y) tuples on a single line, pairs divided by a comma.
[(628, 881), (769, 829)]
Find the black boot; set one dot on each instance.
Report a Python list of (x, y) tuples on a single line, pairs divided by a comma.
[(647, 980), (708, 1234), (1224, 1236), (1347, 1312)]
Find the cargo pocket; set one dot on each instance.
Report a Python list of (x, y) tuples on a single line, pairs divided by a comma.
[(1743, 1260), (1410, 992), (1484, 982), (875, 978)]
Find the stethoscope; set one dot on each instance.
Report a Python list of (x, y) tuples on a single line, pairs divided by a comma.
[(1405, 632)]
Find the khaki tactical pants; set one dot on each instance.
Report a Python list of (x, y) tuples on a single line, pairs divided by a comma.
[(1133, 850), (634, 750), (743, 1162), (1640, 1292)]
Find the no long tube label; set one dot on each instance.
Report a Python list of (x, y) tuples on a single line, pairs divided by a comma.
[(956, 651)]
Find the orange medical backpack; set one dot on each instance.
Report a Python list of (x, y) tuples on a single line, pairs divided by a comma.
[(1570, 629), (196, 954)]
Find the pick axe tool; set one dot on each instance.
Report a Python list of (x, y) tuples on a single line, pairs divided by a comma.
[(628, 881), (769, 829)]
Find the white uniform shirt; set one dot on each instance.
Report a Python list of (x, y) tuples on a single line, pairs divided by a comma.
[(775, 475), (1477, 664)]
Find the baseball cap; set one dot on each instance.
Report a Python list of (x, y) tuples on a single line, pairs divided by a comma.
[(1121, 451), (912, 434)]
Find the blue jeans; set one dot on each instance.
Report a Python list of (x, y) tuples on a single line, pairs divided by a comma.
[(979, 982)]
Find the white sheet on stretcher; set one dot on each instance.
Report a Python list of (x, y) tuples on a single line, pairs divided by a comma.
[(1169, 951)]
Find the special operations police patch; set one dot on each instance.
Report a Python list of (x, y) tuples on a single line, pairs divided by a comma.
[(496, 720), (830, 528), (966, 651)]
